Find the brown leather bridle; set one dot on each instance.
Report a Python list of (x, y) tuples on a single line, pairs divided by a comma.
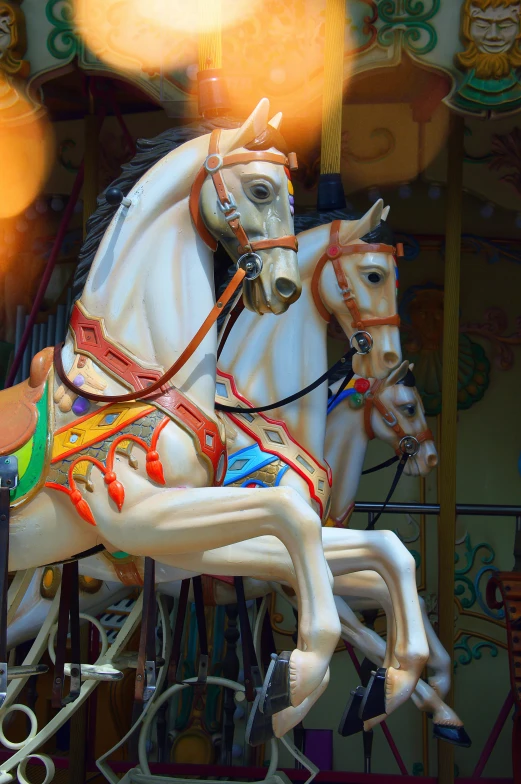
[(333, 253), (212, 167), (249, 264), (409, 444)]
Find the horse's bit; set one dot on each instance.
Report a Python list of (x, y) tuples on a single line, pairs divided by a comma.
[(333, 253), (405, 444), (248, 259)]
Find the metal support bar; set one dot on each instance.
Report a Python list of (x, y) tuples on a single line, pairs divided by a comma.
[(472, 510)]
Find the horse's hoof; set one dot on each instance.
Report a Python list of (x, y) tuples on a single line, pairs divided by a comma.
[(373, 702), (275, 694), (452, 733), (259, 728), (351, 723)]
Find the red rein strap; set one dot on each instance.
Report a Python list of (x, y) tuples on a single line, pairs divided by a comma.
[(334, 252), (213, 167), (158, 385)]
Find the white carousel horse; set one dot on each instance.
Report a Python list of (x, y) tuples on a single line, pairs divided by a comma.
[(399, 412), (393, 411), (354, 279), (148, 289), (346, 434)]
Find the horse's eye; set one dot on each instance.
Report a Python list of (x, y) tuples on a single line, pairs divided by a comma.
[(374, 277), (260, 191), (410, 410)]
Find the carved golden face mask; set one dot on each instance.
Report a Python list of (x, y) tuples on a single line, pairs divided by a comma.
[(6, 22), (12, 39)]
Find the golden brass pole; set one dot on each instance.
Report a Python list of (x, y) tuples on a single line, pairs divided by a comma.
[(330, 192), (447, 471)]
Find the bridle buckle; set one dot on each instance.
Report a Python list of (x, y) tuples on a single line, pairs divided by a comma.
[(409, 445), (363, 340), (251, 263), (229, 206), (390, 419)]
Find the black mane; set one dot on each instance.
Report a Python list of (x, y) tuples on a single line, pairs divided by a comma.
[(149, 152)]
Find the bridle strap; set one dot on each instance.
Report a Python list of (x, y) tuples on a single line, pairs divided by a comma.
[(289, 241), (373, 400), (158, 385), (333, 253), (213, 167)]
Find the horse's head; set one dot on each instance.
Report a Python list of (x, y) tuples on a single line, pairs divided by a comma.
[(245, 202), (355, 280), (397, 413)]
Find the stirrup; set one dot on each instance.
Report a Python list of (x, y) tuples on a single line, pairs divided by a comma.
[(275, 694), (373, 703), (351, 723)]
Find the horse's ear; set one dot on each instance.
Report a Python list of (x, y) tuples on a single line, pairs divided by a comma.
[(398, 374), (371, 219), (255, 124), (348, 231), (385, 213), (276, 121), (411, 366)]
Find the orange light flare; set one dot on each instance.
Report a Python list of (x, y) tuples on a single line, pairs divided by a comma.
[(132, 35), (280, 53), (27, 144)]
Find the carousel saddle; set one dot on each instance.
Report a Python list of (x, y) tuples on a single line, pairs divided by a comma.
[(18, 405)]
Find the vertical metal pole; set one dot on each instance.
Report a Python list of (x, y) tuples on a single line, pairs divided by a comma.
[(447, 472), (79, 721), (20, 321), (330, 190), (91, 182), (210, 38)]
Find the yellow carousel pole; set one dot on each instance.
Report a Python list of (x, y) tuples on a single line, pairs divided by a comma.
[(79, 720), (330, 190), (449, 412), (213, 91)]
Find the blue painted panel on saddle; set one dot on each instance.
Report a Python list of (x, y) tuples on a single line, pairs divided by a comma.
[(334, 402), (245, 462)]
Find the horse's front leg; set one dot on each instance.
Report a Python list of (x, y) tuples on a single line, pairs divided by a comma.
[(178, 526), (382, 551)]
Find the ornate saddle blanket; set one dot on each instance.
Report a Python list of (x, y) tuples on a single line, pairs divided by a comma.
[(275, 451), (26, 421)]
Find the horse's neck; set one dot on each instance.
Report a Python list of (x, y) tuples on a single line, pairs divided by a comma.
[(271, 357), (346, 446), (152, 281)]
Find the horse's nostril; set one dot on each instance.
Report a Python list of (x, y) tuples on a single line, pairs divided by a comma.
[(286, 288), (391, 359), (432, 460)]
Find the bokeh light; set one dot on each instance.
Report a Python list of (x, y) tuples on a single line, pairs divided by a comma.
[(132, 35), (27, 145)]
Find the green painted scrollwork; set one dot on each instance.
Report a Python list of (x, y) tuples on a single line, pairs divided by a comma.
[(463, 584), (468, 652), (62, 42), (411, 18), (470, 554)]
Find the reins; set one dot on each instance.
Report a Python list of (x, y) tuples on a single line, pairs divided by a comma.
[(408, 446), (249, 263)]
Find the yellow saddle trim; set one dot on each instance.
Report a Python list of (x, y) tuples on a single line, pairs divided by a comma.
[(95, 427)]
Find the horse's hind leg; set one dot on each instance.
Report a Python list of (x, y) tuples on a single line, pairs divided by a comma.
[(186, 523), (383, 552)]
